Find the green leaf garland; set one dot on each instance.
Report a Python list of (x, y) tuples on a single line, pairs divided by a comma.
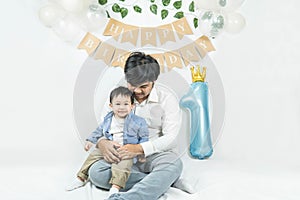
[(116, 8), (102, 2), (153, 8), (192, 7), (164, 13), (166, 2), (177, 4), (124, 12), (137, 9), (179, 15), (195, 22), (107, 13)]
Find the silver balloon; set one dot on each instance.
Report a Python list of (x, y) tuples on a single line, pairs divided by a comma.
[(222, 3), (94, 18), (211, 23), (232, 5)]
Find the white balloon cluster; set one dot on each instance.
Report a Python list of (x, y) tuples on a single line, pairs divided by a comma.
[(69, 18), (217, 16)]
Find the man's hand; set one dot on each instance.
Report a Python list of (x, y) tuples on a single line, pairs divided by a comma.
[(88, 145), (129, 151), (109, 150)]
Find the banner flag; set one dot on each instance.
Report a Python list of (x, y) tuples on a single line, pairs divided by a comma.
[(148, 36), (173, 59), (105, 52), (182, 27), (120, 57), (160, 59), (113, 28), (130, 35), (165, 34), (189, 53), (204, 45), (89, 43)]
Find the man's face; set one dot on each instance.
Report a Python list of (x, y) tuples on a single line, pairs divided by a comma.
[(142, 91)]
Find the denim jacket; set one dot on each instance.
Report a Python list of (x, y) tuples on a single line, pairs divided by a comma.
[(135, 129)]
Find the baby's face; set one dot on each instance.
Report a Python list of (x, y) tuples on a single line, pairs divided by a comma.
[(121, 106)]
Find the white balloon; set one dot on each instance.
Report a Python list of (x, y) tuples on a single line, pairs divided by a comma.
[(232, 5), (67, 29), (234, 23), (50, 14), (207, 4), (95, 18), (73, 5)]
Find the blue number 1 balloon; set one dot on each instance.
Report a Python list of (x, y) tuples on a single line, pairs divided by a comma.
[(197, 101)]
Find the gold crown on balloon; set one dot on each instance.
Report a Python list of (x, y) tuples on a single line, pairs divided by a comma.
[(197, 76)]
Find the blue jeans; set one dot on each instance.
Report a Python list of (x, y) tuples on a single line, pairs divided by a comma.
[(147, 181)]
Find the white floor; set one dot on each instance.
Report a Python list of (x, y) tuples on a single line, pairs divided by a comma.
[(214, 180)]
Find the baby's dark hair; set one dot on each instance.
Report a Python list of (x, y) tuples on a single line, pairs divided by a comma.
[(123, 91)]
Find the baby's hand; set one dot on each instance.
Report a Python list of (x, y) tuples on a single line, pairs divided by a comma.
[(141, 158), (88, 145)]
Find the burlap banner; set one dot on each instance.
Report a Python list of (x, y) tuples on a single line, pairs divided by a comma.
[(148, 35), (89, 43), (116, 57)]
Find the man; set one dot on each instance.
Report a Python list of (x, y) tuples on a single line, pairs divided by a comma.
[(150, 179)]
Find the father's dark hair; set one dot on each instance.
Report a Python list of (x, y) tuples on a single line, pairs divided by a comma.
[(140, 68), (123, 91)]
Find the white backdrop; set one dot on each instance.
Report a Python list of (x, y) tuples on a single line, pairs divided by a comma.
[(259, 68)]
